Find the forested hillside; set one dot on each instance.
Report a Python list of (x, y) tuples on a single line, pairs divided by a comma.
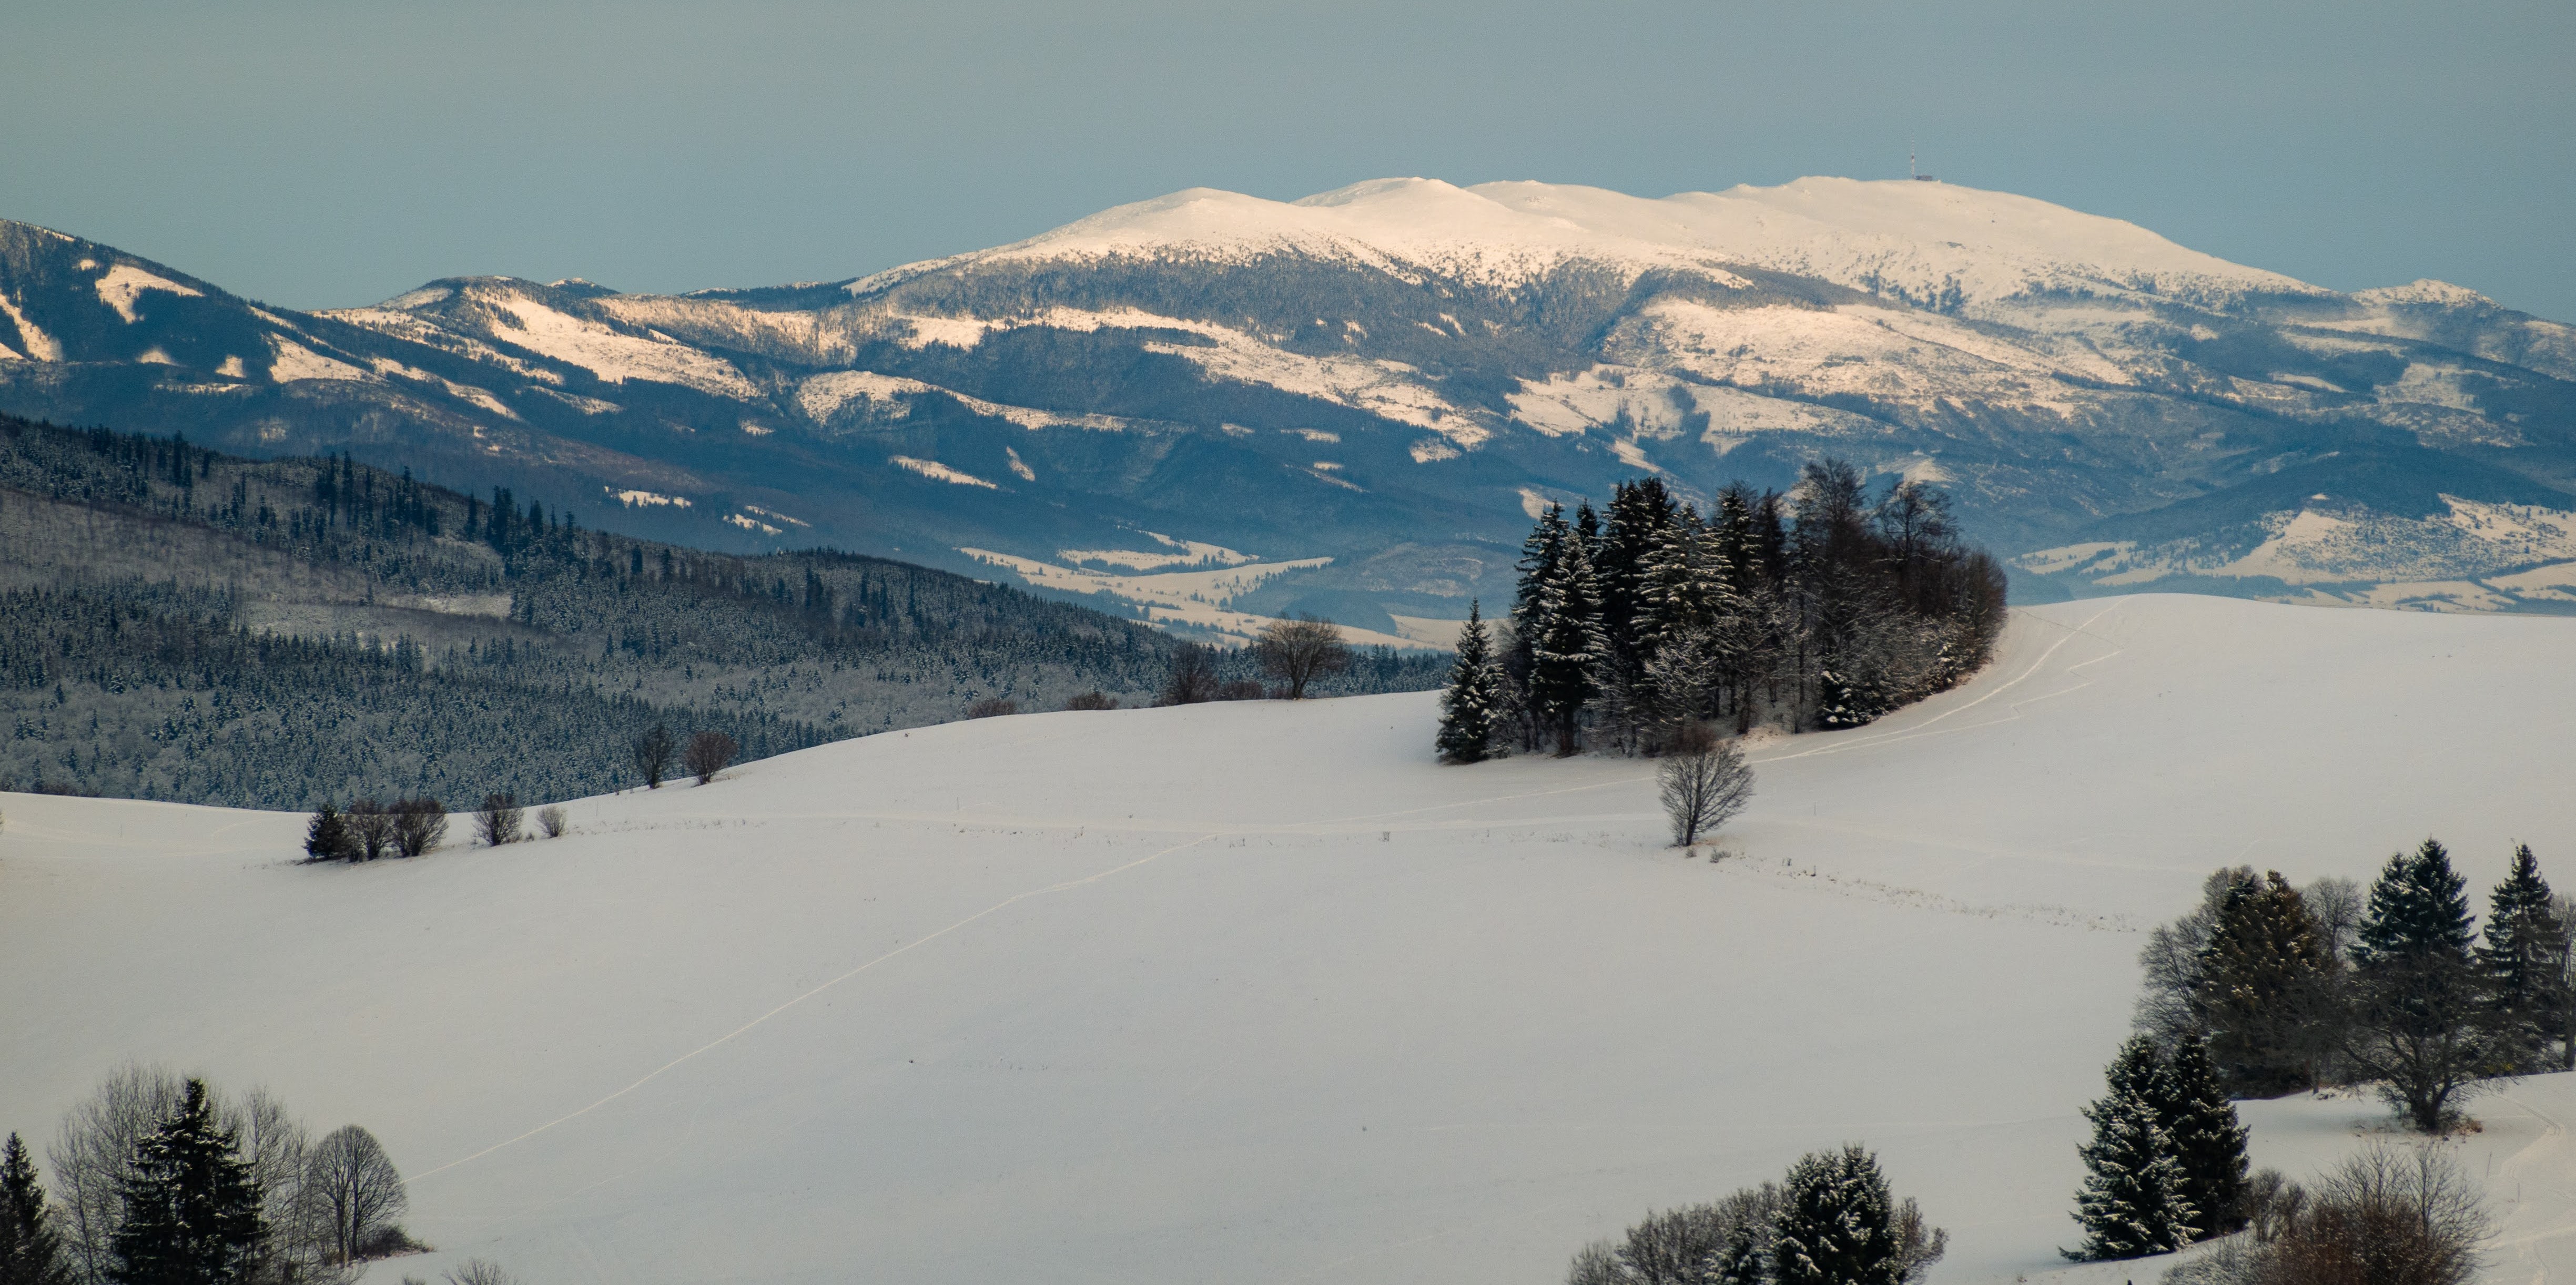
[(194, 626)]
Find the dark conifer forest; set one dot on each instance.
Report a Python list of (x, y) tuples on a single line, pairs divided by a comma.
[(198, 627), (1824, 608)]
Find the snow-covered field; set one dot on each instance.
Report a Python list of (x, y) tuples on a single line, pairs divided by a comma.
[(1258, 993)]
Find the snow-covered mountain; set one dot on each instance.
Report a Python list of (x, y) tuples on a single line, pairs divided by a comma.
[(1258, 992), (1353, 400)]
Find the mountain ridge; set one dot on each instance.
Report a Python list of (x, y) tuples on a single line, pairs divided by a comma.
[(1388, 376)]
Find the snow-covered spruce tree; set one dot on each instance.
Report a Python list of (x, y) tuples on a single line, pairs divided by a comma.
[(2208, 1140), (1837, 1225), (2424, 1026), (1539, 556), (1741, 1262), (2132, 1202), (191, 1210), (31, 1247), (2524, 958), (1472, 708), (1568, 647), (2267, 988)]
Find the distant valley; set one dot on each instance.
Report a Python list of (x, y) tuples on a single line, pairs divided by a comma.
[(1213, 408)]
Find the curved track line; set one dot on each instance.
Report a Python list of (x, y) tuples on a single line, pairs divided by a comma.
[(730, 1036)]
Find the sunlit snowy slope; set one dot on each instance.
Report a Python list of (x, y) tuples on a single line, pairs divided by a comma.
[(1258, 993)]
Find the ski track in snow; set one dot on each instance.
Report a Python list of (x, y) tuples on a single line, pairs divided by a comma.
[(746, 1028)]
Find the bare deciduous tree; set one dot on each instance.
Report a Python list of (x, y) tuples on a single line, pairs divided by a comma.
[(993, 707), (1193, 679), (355, 1193), (652, 753), (2337, 903), (1704, 782), (1095, 699), (420, 825), (498, 821), (1299, 651), (708, 754), (553, 821)]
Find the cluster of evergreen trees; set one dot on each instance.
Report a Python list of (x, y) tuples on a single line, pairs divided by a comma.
[(2295, 988), (1831, 1221), (1822, 608), (2166, 1166)]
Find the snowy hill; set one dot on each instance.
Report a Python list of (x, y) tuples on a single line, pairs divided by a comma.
[(1362, 393), (1257, 992)]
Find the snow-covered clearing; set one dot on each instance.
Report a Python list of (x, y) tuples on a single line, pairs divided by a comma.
[(1259, 993), (122, 283)]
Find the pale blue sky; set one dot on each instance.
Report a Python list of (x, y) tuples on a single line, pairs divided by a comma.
[(327, 154)]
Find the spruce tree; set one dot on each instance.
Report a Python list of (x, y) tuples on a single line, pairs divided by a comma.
[(1836, 1225), (2132, 1202), (2208, 1140), (2524, 958), (1567, 651), (327, 836), (1740, 1263), (191, 1211), (31, 1249), (2418, 907), (2425, 1027), (2266, 980), (1469, 710)]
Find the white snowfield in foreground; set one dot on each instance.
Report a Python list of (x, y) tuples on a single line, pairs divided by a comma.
[(1258, 993)]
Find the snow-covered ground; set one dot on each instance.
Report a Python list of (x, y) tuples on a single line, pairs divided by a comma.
[(1258, 993)]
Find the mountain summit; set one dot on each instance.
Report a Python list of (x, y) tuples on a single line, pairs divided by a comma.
[(1209, 404)]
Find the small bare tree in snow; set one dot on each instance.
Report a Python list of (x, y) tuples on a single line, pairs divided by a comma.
[(652, 754), (1299, 651), (1705, 782), (708, 753), (1193, 679), (371, 828), (553, 821)]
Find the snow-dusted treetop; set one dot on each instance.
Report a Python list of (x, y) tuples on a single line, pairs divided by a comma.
[(1914, 236)]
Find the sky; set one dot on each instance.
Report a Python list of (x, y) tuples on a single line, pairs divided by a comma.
[(334, 154)]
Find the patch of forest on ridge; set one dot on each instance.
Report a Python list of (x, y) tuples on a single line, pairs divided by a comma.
[(204, 628)]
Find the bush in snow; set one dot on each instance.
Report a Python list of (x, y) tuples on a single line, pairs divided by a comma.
[(371, 824), (1095, 699), (2392, 1215), (420, 825), (499, 820), (553, 821)]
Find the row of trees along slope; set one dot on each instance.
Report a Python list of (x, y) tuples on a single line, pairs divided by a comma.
[(1824, 607), (199, 627)]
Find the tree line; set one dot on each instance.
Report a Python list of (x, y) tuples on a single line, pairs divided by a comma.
[(1825, 607), (163, 1180)]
